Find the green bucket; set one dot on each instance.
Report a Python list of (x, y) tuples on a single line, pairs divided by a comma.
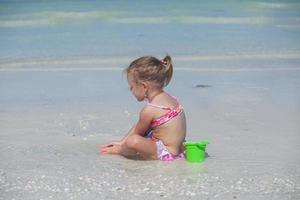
[(195, 151)]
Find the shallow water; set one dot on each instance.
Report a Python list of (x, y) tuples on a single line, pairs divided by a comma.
[(49, 140)]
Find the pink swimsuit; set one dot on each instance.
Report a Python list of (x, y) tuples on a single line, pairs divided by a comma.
[(166, 117), (162, 152)]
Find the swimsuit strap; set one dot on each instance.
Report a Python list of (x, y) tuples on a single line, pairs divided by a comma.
[(162, 107), (158, 106)]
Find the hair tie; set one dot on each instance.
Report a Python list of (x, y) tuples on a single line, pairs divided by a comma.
[(164, 62)]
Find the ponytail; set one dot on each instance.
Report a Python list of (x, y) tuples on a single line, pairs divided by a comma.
[(167, 63)]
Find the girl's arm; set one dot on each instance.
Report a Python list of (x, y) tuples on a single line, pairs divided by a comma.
[(130, 132), (142, 125), (140, 128)]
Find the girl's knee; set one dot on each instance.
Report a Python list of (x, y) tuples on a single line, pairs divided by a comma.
[(132, 141)]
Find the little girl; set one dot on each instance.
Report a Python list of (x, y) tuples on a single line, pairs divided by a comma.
[(161, 128)]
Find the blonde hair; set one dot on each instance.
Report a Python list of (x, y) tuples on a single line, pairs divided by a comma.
[(149, 68)]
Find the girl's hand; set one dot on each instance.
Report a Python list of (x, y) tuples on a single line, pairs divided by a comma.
[(111, 148)]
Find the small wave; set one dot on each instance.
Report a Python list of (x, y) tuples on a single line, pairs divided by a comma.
[(53, 18), (272, 5), (63, 62), (277, 5), (192, 20), (106, 63), (251, 56), (186, 69), (288, 26)]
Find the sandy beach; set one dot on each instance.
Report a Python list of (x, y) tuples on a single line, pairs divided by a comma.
[(50, 136), (62, 93)]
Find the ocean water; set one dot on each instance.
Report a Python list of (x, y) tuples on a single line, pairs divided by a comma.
[(94, 34)]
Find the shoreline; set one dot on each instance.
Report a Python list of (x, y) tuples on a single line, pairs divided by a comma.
[(185, 69), (104, 62)]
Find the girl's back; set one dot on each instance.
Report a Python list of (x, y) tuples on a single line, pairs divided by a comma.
[(173, 131)]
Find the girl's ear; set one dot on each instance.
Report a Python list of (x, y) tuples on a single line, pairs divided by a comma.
[(144, 84), (146, 88)]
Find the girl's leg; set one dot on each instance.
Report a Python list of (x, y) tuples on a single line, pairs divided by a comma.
[(145, 147), (133, 145), (130, 146), (115, 147)]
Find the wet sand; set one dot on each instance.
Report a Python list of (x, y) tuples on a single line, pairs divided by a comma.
[(52, 122)]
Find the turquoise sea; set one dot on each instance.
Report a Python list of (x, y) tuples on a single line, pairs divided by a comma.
[(198, 33)]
